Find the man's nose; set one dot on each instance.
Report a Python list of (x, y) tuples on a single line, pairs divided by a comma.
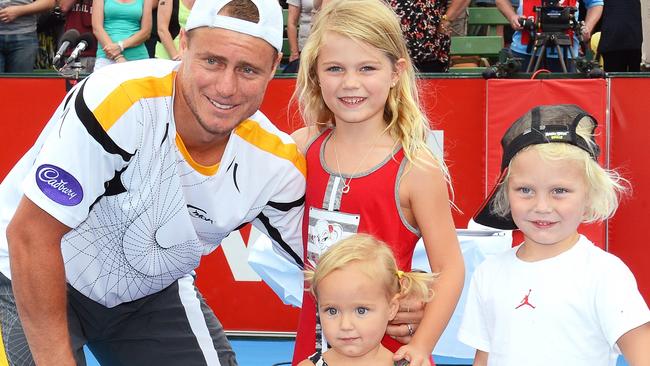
[(226, 84)]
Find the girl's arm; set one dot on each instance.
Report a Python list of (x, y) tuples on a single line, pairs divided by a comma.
[(303, 137), (480, 359), (164, 16), (98, 28), (292, 31), (428, 199), (145, 27), (634, 345)]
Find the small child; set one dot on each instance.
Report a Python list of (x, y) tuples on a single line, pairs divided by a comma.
[(556, 299), (358, 286)]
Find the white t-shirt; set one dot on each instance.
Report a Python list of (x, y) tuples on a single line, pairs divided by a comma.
[(567, 310), (110, 165)]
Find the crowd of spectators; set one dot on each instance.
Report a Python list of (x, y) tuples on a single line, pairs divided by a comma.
[(126, 30)]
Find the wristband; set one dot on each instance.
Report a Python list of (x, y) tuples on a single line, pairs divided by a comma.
[(121, 45)]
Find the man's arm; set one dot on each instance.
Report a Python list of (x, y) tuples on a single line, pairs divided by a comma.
[(456, 8), (591, 19), (505, 7), (292, 31), (38, 281), (10, 13), (66, 5)]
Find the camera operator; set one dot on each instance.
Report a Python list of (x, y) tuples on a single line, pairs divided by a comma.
[(521, 38)]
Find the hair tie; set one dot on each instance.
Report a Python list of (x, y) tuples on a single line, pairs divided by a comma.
[(400, 274)]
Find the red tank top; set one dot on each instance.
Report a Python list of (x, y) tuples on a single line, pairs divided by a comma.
[(370, 207), (80, 18)]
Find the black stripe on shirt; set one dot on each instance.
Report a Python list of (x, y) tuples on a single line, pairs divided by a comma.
[(286, 206), (275, 235), (95, 129)]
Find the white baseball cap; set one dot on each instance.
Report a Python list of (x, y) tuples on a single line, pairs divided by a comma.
[(205, 13)]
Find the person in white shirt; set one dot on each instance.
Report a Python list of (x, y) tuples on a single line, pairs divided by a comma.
[(556, 299), (144, 168)]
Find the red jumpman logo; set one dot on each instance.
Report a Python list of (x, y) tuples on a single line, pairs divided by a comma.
[(525, 301)]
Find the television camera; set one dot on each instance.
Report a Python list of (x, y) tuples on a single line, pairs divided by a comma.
[(553, 27)]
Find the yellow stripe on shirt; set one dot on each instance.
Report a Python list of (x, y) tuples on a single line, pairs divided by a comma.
[(253, 133), (120, 100), (208, 170), (3, 355)]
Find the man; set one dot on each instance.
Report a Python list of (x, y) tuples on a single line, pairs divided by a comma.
[(145, 167), (521, 40), (18, 37)]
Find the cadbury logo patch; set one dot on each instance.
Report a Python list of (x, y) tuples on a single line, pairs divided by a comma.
[(59, 185)]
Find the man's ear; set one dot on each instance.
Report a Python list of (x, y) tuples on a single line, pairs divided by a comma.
[(393, 306), (276, 63), (182, 46)]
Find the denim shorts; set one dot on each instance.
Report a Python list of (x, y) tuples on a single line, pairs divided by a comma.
[(18, 52)]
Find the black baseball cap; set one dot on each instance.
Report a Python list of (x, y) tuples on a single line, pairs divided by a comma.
[(540, 125)]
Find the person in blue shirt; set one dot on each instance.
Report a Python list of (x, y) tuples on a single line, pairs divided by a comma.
[(519, 45)]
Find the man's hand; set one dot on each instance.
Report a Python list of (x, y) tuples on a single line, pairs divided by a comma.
[(9, 14), (414, 355), (586, 33), (514, 21), (407, 320)]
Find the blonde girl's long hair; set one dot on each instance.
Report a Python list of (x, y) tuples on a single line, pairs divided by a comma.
[(374, 23)]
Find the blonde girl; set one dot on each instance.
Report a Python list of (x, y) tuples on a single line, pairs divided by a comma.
[(369, 167), (358, 286)]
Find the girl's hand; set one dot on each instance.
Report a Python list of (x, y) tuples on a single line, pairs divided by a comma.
[(119, 59), (414, 355), (112, 50), (407, 320)]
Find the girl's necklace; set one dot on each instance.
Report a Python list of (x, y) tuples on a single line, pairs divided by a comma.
[(346, 182)]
